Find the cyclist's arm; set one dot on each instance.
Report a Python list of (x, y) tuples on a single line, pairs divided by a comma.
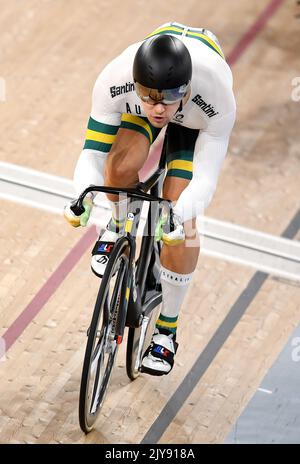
[(210, 151)]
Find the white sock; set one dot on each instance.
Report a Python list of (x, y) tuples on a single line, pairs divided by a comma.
[(174, 288), (119, 211)]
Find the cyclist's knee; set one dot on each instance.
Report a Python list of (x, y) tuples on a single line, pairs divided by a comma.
[(120, 174), (191, 234), (127, 156), (173, 187)]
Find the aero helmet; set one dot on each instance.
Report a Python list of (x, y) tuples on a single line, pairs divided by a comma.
[(162, 69)]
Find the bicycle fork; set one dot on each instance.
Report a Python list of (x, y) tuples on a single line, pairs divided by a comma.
[(144, 327)]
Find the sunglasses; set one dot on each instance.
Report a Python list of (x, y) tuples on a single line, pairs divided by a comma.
[(167, 96)]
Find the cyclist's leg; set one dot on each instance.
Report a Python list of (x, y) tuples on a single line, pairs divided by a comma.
[(179, 157), (116, 162), (178, 262), (129, 152), (126, 157)]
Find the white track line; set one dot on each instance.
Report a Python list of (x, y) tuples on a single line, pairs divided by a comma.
[(223, 240)]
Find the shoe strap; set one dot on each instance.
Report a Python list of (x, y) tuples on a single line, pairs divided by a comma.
[(103, 248), (161, 352)]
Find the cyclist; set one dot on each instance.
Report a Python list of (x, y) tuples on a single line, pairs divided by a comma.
[(176, 77)]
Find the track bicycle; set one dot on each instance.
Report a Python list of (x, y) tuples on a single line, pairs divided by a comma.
[(129, 292)]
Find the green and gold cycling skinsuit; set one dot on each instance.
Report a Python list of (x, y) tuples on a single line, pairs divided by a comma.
[(198, 134)]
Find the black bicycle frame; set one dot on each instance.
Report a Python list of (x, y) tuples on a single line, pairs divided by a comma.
[(148, 259), (131, 311)]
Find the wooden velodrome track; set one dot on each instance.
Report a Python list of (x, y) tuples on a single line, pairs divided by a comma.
[(50, 53)]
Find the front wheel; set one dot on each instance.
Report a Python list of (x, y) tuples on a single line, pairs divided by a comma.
[(101, 349)]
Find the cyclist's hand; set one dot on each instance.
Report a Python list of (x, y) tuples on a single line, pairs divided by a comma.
[(163, 232), (81, 220)]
